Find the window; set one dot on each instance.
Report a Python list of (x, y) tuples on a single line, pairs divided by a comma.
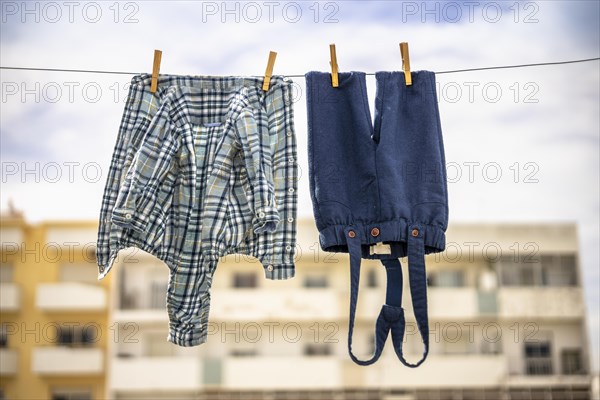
[(90, 254), (559, 270), (316, 281), (371, 344), (544, 270), (317, 349), (6, 273), (242, 352), (3, 336), (522, 271), (538, 358), (490, 347), (527, 275), (447, 278), (71, 394), (372, 278), (73, 336), (571, 361), (244, 280), (129, 300), (158, 295)]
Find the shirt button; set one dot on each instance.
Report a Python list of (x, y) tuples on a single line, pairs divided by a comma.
[(127, 216), (290, 219), (270, 268), (291, 160), (289, 133), (351, 234), (288, 248), (261, 214), (415, 232), (291, 190), (375, 232)]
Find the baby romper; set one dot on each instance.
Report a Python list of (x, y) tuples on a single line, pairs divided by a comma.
[(204, 107), (379, 191)]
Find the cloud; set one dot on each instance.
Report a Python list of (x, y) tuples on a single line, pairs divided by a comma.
[(558, 133)]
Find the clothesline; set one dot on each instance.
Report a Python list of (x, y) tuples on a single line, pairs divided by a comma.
[(302, 76)]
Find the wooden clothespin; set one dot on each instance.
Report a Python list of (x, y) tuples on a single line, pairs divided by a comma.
[(334, 66), (155, 71), (269, 71), (405, 63)]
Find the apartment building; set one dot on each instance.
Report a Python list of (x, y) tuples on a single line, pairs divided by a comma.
[(53, 311), (506, 309)]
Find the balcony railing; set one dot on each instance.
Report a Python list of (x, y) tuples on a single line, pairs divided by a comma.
[(67, 361), (156, 373), (189, 373), (8, 362), (538, 366), (535, 302), (70, 297), (10, 297)]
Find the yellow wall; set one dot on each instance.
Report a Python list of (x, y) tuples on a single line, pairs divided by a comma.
[(28, 271)]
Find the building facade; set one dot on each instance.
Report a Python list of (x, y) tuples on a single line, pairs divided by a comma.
[(506, 310), (53, 312)]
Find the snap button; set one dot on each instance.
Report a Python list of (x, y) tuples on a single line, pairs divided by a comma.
[(291, 190), (290, 219), (375, 232), (288, 248), (261, 214), (415, 232), (291, 160), (127, 216), (269, 268), (352, 234), (289, 133)]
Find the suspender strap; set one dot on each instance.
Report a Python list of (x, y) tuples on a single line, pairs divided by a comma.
[(418, 290), (381, 328), (391, 316)]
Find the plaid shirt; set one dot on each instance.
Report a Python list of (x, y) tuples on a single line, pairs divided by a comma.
[(171, 149), (274, 249), (203, 168)]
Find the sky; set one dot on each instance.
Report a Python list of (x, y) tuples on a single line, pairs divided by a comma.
[(521, 144)]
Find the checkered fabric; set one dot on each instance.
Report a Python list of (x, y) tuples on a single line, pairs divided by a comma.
[(203, 168), (247, 143)]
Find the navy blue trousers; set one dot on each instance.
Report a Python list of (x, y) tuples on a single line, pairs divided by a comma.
[(378, 188)]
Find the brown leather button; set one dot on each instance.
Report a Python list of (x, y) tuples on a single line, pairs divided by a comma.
[(415, 232), (351, 234), (375, 232)]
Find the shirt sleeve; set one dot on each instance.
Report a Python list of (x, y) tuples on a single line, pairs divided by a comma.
[(138, 206), (254, 140)]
